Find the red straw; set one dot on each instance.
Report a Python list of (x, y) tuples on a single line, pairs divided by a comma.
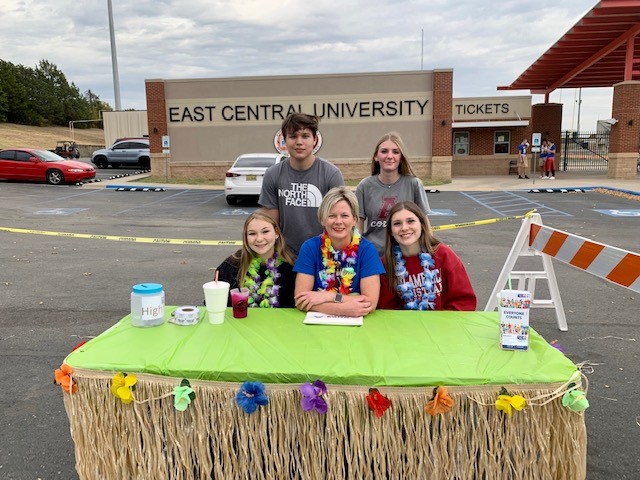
[(216, 278)]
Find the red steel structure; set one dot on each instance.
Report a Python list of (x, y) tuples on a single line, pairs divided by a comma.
[(598, 51)]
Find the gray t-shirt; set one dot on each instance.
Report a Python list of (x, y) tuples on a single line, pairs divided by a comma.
[(376, 199), (297, 195)]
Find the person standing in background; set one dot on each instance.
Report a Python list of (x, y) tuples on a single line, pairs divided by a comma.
[(550, 164), (523, 164), (392, 180), (293, 189), (544, 151)]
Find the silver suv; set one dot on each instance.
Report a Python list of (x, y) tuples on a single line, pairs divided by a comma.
[(126, 151)]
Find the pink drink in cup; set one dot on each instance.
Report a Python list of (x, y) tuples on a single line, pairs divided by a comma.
[(239, 302)]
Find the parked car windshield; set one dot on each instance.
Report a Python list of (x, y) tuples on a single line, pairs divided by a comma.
[(253, 162), (129, 145), (48, 156)]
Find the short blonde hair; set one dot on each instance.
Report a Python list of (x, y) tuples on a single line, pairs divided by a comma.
[(334, 196)]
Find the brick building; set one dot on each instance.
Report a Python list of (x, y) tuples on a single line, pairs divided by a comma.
[(211, 121)]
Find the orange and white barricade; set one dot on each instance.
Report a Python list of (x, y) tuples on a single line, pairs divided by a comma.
[(611, 263)]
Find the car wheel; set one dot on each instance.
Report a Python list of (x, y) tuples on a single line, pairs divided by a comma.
[(231, 200), (145, 163), (55, 177), (101, 162)]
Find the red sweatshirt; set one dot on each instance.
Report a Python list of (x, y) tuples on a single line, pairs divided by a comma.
[(452, 285)]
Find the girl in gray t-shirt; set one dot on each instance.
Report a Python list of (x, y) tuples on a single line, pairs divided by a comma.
[(392, 180)]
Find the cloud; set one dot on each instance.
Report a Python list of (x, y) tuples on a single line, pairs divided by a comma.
[(487, 44)]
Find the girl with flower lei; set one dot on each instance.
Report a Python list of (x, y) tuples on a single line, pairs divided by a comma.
[(338, 272), (264, 265), (422, 273)]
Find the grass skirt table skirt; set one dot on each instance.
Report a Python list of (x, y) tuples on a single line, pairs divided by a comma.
[(214, 438)]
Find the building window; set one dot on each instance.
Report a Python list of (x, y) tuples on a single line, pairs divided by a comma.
[(461, 143), (501, 142)]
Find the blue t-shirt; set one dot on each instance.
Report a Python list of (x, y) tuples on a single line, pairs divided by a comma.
[(552, 151), (310, 262), (522, 148)]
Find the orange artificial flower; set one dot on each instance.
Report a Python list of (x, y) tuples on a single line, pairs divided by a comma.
[(440, 403), (63, 378), (78, 345)]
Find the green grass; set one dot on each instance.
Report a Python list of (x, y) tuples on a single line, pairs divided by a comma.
[(220, 183)]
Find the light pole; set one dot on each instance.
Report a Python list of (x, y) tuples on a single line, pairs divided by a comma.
[(114, 59), (579, 105)]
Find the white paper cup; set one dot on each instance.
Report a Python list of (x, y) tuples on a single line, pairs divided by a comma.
[(215, 296)]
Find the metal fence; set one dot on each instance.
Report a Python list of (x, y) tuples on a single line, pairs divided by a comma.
[(585, 151)]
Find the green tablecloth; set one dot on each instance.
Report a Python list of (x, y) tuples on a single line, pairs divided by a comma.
[(392, 348)]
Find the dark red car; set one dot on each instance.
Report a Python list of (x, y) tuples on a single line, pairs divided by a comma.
[(42, 165)]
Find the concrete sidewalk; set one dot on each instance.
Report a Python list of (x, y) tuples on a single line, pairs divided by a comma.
[(575, 179)]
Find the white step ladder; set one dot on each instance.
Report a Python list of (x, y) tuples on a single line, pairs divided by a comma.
[(526, 280)]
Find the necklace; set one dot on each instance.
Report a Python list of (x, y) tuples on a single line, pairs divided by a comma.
[(388, 185), (339, 271), (405, 288), (263, 292)]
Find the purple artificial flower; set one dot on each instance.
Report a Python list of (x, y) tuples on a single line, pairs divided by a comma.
[(251, 395), (557, 345), (312, 397)]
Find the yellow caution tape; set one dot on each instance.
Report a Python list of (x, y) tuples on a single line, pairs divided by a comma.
[(167, 241), (186, 241), (481, 222)]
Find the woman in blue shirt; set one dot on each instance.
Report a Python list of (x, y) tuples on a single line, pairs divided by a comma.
[(338, 272)]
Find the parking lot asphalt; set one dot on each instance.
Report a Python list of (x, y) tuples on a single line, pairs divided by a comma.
[(59, 289)]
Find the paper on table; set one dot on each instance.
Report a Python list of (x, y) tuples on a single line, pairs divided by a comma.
[(315, 318)]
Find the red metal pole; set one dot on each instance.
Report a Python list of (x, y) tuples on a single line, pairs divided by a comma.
[(628, 60)]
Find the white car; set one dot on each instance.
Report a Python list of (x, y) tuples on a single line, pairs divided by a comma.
[(244, 178)]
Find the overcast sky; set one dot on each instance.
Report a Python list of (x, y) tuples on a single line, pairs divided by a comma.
[(486, 43)]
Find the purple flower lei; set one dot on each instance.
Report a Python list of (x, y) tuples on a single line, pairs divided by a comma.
[(405, 288)]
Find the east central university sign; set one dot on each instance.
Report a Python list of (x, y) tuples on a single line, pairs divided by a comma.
[(256, 111), (212, 121)]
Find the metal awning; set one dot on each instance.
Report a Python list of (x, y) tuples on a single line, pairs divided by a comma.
[(598, 51), (491, 123)]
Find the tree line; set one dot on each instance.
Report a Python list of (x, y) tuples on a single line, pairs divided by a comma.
[(42, 96)]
